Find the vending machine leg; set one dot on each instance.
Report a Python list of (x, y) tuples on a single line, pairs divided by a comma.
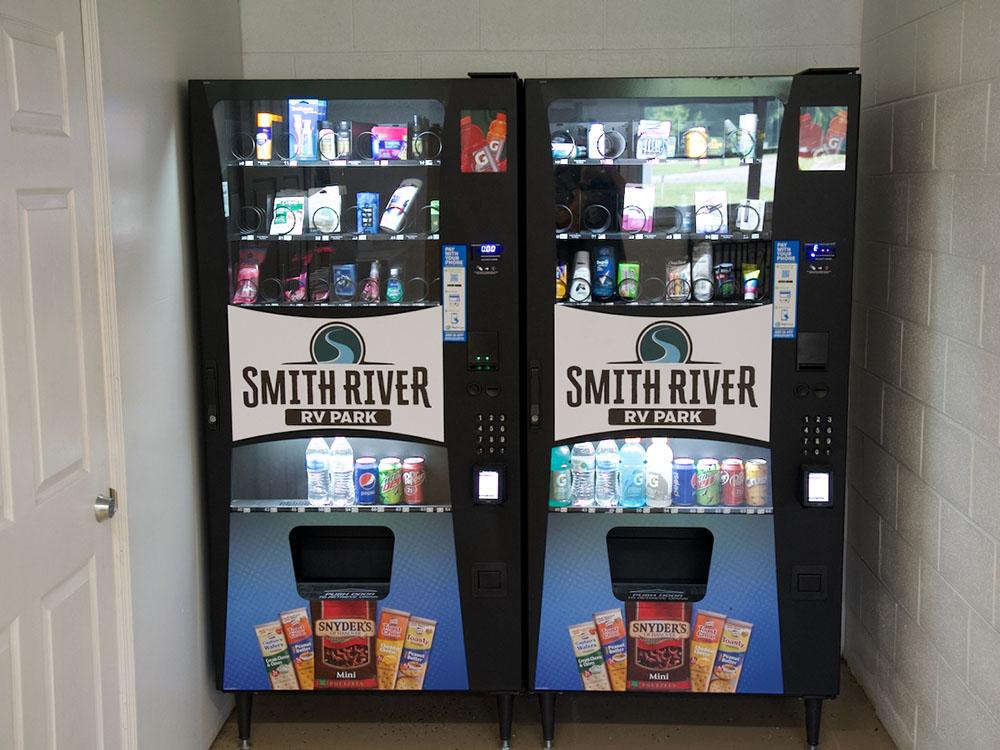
[(505, 711), (547, 702), (814, 707), (244, 702)]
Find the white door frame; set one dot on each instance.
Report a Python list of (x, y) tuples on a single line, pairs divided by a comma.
[(108, 302)]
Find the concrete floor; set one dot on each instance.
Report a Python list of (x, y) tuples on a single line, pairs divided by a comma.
[(584, 722)]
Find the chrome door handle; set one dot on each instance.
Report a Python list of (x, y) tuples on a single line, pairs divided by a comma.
[(105, 506)]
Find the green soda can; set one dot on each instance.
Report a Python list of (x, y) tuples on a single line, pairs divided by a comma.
[(707, 488), (390, 481), (628, 281)]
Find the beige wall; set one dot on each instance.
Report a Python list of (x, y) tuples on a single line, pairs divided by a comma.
[(924, 509), (441, 38), (149, 49)]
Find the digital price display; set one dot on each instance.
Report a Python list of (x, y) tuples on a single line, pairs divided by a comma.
[(488, 485), (816, 487), (489, 249)]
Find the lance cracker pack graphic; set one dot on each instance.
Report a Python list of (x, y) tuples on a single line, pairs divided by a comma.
[(690, 372), (291, 373)]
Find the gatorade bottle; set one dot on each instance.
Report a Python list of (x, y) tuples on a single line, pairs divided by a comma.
[(836, 131), (496, 137), (559, 477), (472, 139), (632, 474), (606, 476), (659, 473), (317, 472), (810, 135), (582, 468), (341, 464)]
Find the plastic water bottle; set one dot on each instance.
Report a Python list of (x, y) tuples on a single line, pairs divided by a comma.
[(606, 482), (341, 472), (632, 474), (559, 477), (659, 474), (582, 469), (317, 472)]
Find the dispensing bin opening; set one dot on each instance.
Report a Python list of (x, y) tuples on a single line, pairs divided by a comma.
[(342, 562), (659, 564)]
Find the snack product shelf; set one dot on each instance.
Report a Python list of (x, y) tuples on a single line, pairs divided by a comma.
[(303, 506), (658, 236), (336, 163), (352, 237), (674, 509)]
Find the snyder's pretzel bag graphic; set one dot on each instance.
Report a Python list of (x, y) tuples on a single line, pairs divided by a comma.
[(344, 645), (658, 639)]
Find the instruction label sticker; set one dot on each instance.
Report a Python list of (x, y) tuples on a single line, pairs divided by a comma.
[(786, 272), (454, 264)]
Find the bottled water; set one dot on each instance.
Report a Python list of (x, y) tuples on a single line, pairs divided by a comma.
[(317, 472), (606, 482), (582, 470), (659, 474), (341, 472), (632, 474)]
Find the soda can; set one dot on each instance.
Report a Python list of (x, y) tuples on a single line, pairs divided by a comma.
[(414, 474), (605, 273), (390, 481), (366, 480), (684, 473), (725, 281), (732, 479), (706, 482), (628, 281), (756, 482)]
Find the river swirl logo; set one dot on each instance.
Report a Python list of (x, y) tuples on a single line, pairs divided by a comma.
[(663, 343), (337, 344)]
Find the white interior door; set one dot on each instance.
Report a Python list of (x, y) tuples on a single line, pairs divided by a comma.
[(60, 621)]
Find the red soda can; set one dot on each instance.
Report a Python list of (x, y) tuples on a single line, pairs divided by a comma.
[(414, 474), (733, 482)]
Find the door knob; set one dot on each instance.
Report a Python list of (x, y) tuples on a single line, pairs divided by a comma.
[(105, 506)]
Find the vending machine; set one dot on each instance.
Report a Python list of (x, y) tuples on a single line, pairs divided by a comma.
[(358, 283), (688, 293)]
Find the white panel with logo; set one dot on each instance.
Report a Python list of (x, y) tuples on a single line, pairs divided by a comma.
[(616, 373), (381, 373)]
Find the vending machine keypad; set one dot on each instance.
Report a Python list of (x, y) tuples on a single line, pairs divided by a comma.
[(817, 434), (491, 434)]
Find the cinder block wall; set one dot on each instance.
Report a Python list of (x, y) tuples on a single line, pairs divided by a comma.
[(923, 614), (449, 38)]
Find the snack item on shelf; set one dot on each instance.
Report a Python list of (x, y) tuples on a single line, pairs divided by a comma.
[(589, 658), (628, 281), (751, 281), (652, 140), (389, 142), (304, 116), (324, 206), (416, 653), (344, 281), (396, 211), (277, 660), (637, 212), (265, 135), (368, 204), (248, 275), (288, 216)]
